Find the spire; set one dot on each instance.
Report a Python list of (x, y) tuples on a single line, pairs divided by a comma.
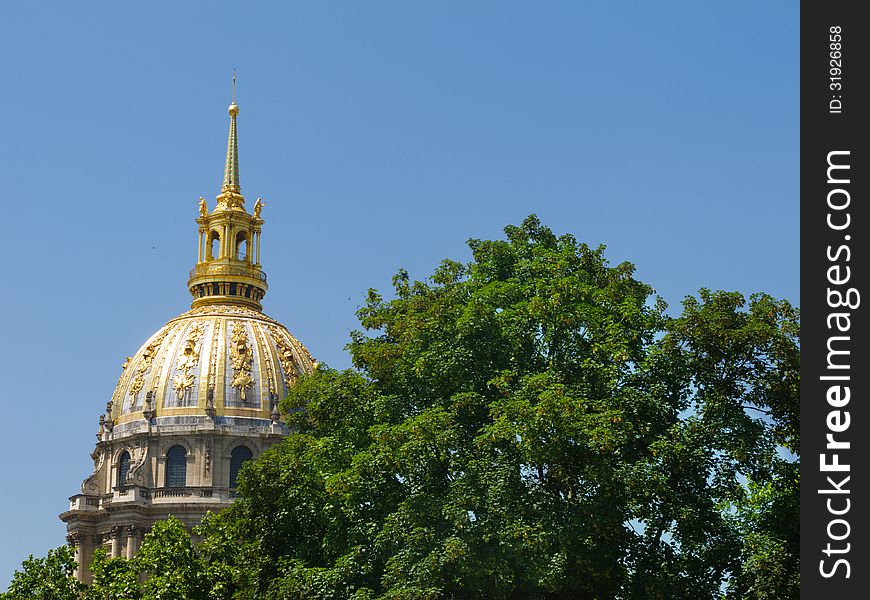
[(228, 269), (231, 170)]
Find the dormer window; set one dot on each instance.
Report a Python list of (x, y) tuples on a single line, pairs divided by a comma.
[(176, 467), (123, 468)]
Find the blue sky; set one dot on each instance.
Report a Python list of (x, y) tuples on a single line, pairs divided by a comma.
[(380, 135)]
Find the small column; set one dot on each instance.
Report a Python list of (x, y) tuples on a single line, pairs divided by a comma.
[(74, 540), (132, 533), (199, 249), (115, 536), (257, 235)]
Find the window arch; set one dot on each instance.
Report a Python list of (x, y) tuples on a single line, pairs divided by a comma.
[(123, 468), (242, 245), (213, 248), (239, 456), (176, 467)]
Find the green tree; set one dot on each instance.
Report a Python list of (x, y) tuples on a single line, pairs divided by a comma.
[(49, 578), (531, 424), (167, 566), (738, 362), (173, 568), (113, 578), (769, 522), (528, 425)]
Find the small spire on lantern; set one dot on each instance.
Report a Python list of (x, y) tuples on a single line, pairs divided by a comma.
[(231, 169)]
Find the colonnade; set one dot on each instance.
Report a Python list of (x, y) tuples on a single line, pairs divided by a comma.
[(227, 246), (124, 542)]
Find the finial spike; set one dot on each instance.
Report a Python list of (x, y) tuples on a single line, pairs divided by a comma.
[(231, 169)]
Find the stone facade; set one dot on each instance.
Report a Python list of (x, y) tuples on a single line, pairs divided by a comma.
[(115, 514)]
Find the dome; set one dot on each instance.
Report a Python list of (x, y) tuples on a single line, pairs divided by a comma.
[(232, 360), (198, 399)]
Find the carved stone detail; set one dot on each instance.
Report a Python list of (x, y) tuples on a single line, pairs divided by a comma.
[(276, 414), (90, 485), (209, 406), (148, 410), (108, 423), (138, 454)]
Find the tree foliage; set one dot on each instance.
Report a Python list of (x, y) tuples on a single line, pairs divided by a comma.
[(113, 578), (531, 424), (49, 578)]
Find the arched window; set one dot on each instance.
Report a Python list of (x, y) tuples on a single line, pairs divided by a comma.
[(123, 468), (214, 246), (242, 245), (176, 467), (240, 455)]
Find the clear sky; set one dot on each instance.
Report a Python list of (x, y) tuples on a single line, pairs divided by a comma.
[(380, 135)]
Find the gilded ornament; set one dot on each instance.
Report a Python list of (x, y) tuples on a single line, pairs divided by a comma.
[(124, 366), (187, 361), (218, 310), (218, 329), (289, 363), (145, 363), (241, 359), (292, 356), (267, 357)]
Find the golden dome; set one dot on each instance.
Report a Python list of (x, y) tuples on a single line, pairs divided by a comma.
[(220, 360)]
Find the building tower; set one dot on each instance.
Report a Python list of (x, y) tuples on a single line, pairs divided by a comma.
[(198, 399)]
